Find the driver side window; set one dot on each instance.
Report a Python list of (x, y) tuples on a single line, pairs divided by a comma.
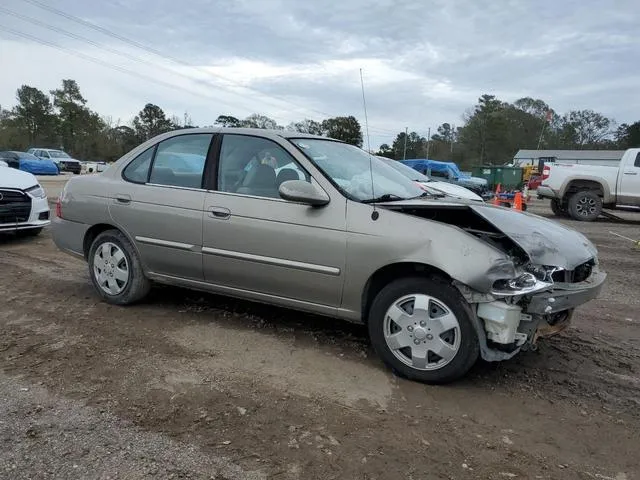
[(255, 166)]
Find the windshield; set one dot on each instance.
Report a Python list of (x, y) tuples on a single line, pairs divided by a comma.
[(407, 171), (351, 169), (58, 154)]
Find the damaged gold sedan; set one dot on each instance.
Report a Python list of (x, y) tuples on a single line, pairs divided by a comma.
[(317, 225)]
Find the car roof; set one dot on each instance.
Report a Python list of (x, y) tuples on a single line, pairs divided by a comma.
[(260, 132)]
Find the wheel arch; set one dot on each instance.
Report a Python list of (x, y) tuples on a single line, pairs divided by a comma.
[(575, 185), (388, 273), (96, 230)]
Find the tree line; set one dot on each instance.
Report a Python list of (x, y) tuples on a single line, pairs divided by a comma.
[(491, 131)]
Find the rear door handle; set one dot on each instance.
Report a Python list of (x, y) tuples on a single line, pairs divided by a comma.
[(121, 198), (219, 212)]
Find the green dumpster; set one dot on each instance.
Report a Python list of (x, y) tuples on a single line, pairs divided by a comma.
[(509, 178)]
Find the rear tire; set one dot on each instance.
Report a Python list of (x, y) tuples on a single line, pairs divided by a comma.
[(115, 269), (422, 329), (585, 206), (557, 209)]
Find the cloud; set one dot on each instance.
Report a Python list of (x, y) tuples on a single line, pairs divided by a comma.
[(424, 63)]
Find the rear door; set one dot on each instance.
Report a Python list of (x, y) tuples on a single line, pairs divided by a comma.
[(257, 244), (629, 192), (158, 203)]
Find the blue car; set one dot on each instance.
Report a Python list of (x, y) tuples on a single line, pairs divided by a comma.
[(29, 163), (449, 172)]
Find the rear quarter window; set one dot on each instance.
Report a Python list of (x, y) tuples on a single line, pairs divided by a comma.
[(138, 169)]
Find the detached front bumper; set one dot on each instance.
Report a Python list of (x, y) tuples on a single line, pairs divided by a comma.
[(566, 296)]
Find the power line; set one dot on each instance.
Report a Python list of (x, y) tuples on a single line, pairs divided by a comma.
[(112, 66), (158, 53), (122, 54)]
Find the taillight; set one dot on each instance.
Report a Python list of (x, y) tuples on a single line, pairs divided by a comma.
[(58, 209), (546, 171)]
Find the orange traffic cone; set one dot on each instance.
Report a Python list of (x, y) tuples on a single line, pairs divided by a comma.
[(517, 203), (496, 200)]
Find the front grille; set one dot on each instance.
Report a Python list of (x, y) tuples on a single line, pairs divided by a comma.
[(71, 166), (577, 275), (582, 272), (15, 207)]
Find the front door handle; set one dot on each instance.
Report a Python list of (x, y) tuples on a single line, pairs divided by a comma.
[(219, 212), (122, 198), (630, 173)]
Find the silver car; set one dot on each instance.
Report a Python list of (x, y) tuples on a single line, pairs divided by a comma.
[(317, 225)]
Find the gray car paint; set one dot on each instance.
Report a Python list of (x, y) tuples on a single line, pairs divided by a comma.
[(290, 254)]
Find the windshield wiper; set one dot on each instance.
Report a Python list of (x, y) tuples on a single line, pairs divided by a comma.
[(429, 194), (387, 197)]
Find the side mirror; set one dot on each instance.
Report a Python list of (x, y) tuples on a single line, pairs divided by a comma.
[(303, 192)]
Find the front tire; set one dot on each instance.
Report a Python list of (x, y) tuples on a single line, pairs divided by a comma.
[(115, 269), (585, 206), (422, 328)]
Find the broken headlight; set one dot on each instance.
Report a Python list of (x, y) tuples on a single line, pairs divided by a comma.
[(523, 284)]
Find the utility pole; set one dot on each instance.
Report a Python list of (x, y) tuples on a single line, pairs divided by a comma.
[(406, 134), (428, 142), (453, 129)]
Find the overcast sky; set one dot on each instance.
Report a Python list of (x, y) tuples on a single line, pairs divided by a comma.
[(424, 62)]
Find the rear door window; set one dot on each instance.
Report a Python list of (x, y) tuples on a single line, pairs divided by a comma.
[(179, 161)]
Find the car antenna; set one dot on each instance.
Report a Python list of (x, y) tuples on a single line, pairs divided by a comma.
[(374, 214)]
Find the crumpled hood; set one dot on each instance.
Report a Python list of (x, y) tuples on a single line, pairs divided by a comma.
[(546, 242), (13, 178)]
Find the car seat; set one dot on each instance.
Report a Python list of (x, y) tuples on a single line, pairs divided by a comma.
[(260, 181)]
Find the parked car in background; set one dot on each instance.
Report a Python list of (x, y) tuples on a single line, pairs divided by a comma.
[(24, 208), (582, 191), (446, 188), (438, 281), (93, 167), (62, 159), (29, 163), (449, 172)]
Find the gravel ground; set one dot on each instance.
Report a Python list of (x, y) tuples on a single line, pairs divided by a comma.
[(189, 385)]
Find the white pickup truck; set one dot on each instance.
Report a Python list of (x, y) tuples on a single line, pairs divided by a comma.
[(582, 191)]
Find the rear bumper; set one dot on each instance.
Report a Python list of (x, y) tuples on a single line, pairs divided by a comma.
[(69, 236), (566, 296), (546, 192)]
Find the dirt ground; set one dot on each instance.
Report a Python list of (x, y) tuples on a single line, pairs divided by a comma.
[(189, 385)]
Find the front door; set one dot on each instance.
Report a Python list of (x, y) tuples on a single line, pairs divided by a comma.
[(159, 204), (630, 183), (254, 242)]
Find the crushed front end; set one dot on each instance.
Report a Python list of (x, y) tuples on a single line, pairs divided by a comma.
[(539, 302)]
